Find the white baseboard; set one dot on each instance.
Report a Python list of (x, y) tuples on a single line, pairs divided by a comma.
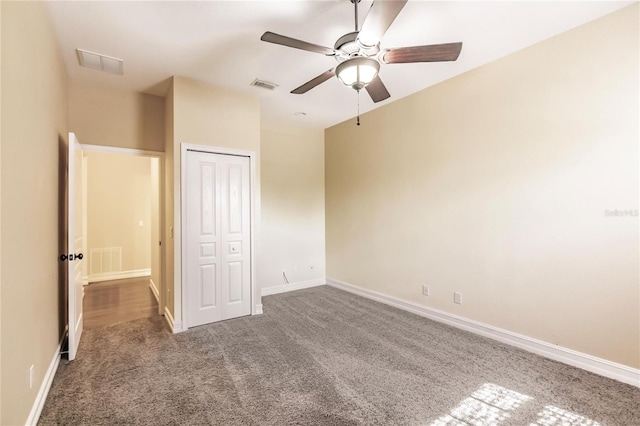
[(258, 310), (176, 326), (168, 317), (154, 290), (137, 273), (587, 362), (268, 291), (41, 397)]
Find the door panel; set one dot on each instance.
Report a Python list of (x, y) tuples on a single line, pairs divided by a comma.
[(235, 282), (75, 240), (208, 204), (235, 201), (208, 249), (217, 237), (203, 236), (208, 284), (236, 236)]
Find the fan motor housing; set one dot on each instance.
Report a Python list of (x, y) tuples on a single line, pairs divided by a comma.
[(348, 47), (346, 42)]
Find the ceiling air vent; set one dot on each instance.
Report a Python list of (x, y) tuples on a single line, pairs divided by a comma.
[(264, 84), (100, 62)]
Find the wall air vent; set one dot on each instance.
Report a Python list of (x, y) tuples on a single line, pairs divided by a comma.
[(100, 62), (264, 84)]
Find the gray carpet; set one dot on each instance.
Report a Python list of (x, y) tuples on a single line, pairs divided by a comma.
[(323, 357)]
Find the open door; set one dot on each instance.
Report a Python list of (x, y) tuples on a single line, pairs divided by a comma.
[(74, 229)]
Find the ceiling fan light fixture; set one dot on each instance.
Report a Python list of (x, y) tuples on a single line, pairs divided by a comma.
[(357, 72)]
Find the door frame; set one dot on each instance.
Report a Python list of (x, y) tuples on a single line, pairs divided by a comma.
[(161, 215), (181, 260)]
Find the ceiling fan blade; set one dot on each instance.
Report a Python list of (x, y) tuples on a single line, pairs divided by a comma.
[(429, 53), (378, 20), (314, 82), (295, 43), (377, 90)]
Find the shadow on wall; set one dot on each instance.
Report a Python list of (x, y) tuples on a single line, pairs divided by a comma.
[(63, 183)]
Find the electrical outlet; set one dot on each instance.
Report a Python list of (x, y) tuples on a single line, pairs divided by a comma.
[(31, 371), (457, 298), (425, 290)]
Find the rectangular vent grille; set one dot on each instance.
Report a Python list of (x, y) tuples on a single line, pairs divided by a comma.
[(264, 84), (100, 62), (105, 260)]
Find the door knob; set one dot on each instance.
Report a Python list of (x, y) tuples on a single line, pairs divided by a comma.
[(71, 257)]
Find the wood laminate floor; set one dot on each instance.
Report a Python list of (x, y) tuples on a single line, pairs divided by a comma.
[(111, 302)]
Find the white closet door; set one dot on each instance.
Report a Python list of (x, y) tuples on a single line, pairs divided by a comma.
[(218, 237), (236, 237)]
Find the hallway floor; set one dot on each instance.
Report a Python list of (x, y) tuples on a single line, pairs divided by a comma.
[(112, 302)]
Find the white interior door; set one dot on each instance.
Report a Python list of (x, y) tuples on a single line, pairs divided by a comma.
[(75, 241), (218, 237)]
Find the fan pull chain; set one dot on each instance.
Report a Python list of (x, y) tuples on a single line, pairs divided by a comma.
[(358, 116)]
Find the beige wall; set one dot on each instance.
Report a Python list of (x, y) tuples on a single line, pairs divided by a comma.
[(119, 197), (292, 204), (111, 117), (156, 263), (34, 125), (0, 207), (496, 184), (168, 202), (207, 115)]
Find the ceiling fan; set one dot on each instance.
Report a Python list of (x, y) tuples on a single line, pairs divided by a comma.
[(359, 54)]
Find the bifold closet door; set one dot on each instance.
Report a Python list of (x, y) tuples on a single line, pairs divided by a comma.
[(218, 237)]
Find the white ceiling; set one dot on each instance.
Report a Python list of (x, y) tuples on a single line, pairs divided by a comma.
[(219, 42)]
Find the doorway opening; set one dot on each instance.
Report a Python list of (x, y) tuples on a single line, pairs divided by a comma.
[(122, 220)]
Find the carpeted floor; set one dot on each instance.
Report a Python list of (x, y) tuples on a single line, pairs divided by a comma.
[(323, 357)]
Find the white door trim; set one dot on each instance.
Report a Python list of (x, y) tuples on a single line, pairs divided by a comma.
[(126, 151), (178, 287), (161, 188)]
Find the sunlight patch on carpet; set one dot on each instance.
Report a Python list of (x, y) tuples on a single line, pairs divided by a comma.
[(488, 405), (491, 404), (554, 416)]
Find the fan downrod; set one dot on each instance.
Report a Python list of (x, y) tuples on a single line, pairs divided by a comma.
[(355, 7)]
